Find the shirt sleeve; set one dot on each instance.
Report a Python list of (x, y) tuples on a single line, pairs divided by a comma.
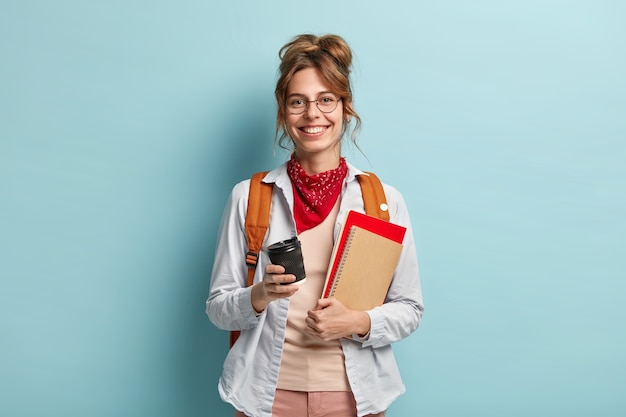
[(229, 304)]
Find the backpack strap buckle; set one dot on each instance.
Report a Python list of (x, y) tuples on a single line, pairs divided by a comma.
[(251, 259)]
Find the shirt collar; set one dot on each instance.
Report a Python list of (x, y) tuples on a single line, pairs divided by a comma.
[(280, 177)]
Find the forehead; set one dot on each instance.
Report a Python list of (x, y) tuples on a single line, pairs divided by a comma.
[(307, 82)]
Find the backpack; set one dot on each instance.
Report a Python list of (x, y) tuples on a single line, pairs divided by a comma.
[(258, 216)]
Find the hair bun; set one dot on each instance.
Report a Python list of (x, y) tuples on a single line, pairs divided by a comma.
[(333, 46), (338, 48)]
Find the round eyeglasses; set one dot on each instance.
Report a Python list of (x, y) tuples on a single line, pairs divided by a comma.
[(326, 103)]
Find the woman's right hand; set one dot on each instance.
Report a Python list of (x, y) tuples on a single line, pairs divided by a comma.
[(272, 287)]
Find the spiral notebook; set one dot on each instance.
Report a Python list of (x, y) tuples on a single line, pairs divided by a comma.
[(366, 266), (384, 228)]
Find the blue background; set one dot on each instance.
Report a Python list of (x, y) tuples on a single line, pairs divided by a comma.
[(124, 125)]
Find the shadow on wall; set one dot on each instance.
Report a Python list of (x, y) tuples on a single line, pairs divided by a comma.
[(233, 147)]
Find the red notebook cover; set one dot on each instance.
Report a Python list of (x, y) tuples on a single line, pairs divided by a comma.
[(381, 227)]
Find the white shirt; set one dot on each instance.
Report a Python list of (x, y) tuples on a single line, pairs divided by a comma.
[(250, 373)]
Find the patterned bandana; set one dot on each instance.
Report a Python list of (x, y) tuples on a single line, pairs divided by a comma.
[(314, 195)]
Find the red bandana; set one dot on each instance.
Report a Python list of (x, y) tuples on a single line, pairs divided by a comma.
[(315, 195)]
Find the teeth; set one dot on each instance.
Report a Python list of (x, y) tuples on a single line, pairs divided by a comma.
[(313, 129)]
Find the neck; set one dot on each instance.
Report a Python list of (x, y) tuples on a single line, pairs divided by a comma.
[(314, 165)]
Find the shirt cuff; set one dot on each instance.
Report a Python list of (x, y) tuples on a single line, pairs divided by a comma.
[(377, 327), (245, 306)]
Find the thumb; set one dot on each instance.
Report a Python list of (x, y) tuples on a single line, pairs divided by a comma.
[(322, 303)]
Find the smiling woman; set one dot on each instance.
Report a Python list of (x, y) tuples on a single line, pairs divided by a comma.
[(299, 354), (331, 56)]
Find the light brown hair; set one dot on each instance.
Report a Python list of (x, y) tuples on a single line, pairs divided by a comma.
[(332, 57)]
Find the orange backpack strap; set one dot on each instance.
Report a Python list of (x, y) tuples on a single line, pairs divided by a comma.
[(374, 198), (257, 219), (257, 223)]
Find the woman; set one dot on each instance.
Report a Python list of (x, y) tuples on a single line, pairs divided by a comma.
[(300, 355)]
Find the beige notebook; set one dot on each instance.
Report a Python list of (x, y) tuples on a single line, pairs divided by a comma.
[(366, 269)]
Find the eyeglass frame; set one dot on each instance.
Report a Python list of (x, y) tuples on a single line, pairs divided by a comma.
[(316, 101)]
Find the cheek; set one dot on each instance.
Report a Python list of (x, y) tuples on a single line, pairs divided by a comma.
[(290, 122), (339, 118), (338, 121)]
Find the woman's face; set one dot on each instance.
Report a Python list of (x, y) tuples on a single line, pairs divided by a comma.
[(315, 134)]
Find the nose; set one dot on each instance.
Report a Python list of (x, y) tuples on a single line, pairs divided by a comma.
[(311, 111)]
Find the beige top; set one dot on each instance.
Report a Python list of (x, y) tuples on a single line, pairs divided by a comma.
[(309, 363)]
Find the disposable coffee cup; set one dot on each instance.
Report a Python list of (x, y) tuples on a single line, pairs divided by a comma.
[(288, 253)]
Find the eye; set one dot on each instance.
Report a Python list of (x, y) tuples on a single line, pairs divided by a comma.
[(327, 99), (296, 102)]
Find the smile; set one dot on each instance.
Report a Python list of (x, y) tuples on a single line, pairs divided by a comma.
[(313, 129)]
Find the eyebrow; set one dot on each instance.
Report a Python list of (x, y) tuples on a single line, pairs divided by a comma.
[(304, 95)]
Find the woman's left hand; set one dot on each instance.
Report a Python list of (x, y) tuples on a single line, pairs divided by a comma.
[(330, 320)]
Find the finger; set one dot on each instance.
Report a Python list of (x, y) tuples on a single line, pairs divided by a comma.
[(283, 279), (282, 291), (274, 269), (314, 316), (279, 278), (287, 278), (279, 288), (310, 330), (311, 326)]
